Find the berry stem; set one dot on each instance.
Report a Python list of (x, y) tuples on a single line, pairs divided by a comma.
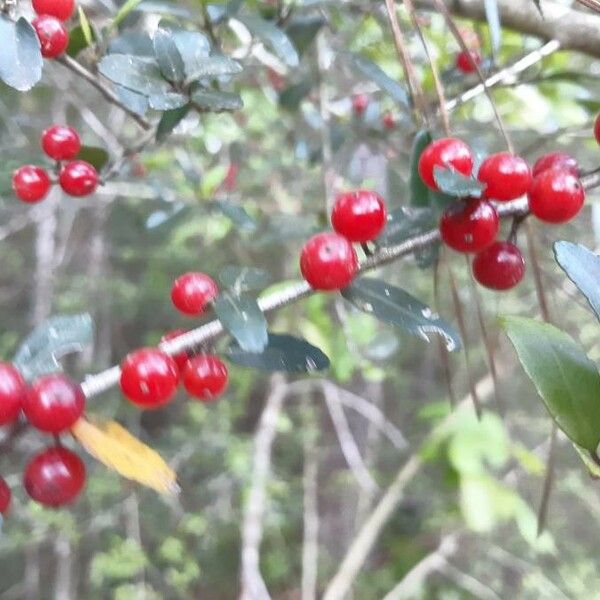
[(366, 249)]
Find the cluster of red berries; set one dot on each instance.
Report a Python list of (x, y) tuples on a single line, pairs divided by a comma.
[(328, 260), (49, 25), (360, 102), (467, 62), (471, 225), (52, 404), (31, 183), (150, 377)]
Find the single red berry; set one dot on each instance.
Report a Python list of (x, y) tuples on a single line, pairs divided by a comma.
[(54, 477), (597, 129), (499, 267), (205, 377), (505, 175), (78, 178), (61, 142), (467, 62), (469, 225), (389, 121), (360, 103), (191, 292), (449, 153), (553, 160), (149, 377), (328, 262), (359, 216), (54, 403), (53, 36), (30, 183), (13, 390), (229, 182), (181, 358), (556, 196), (5, 496), (61, 9)]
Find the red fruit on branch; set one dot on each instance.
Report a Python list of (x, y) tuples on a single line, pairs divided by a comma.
[(61, 142), (328, 262), (192, 292), (181, 358), (597, 129), (469, 225), (149, 377), (448, 153), (556, 196), (61, 9), (30, 183), (359, 215), (467, 62), (505, 175), (389, 121), (53, 403), (53, 36), (78, 178), (205, 377), (360, 103), (499, 267), (5, 496), (556, 160), (54, 477), (13, 390)]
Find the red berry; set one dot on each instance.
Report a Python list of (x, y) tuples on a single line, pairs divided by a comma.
[(467, 62), (61, 142), (449, 153), (597, 129), (359, 216), (78, 178), (53, 403), (149, 377), (54, 477), (181, 358), (360, 103), (12, 393), (53, 36), (469, 225), (389, 121), (30, 183), (499, 267), (506, 176), (556, 159), (191, 292), (205, 377), (5, 496), (61, 9), (328, 261), (556, 196)]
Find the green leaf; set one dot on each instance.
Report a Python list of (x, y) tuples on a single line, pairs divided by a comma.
[(382, 79), (168, 57), (138, 103), (419, 192), (85, 26), (282, 353), (456, 184), (492, 16), (216, 101), (213, 66), (393, 305), (241, 316), (565, 378), (193, 47), (20, 57), (236, 213), (128, 7), (77, 41), (243, 279), (582, 267), (97, 157), (168, 101), (51, 340), (303, 30), (132, 42), (271, 36), (170, 120), (292, 96), (136, 73)]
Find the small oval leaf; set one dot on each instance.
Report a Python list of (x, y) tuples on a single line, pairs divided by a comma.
[(456, 184), (271, 36), (242, 317), (376, 74), (20, 58), (136, 73), (167, 55)]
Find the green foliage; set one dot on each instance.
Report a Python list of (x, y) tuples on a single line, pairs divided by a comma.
[(21, 58)]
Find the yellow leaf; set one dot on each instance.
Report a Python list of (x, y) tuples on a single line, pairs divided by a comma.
[(116, 448)]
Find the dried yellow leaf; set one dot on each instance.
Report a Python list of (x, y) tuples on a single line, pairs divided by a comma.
[(116, 448)]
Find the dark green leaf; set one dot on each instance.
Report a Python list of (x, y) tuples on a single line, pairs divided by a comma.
[(303, 30), (50, 341), (283, 353), (393, 305), (193, 47), (419, 192), (236, 213), (132, 42), (20, 55), (77, 41), (97, 157), (242, 279), (138, 103), (271, 36), (136, 73), (167, 101), (493, 19), (292, 96), (403, 223), (565, 378), (170, 120), (582, 267), (241, 316), (216, 101), (213, 66), (377, 75), (168, 57), (456, 184)]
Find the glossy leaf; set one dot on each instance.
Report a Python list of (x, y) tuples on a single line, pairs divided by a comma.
[(241, 316), (78, 41), (419, 192), (282, 353), (456, 184), (271, 36), (292, 96), (303, 30), (565, 378), (393, 305), (97, 157), (138, 103), (242, 279), (383, 80), (132, 42), (193, 47), (216, 101), (170, 120), (20, 56), (167, 101), (168, 57), (213, 66), (236, 213), (136, 73)]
